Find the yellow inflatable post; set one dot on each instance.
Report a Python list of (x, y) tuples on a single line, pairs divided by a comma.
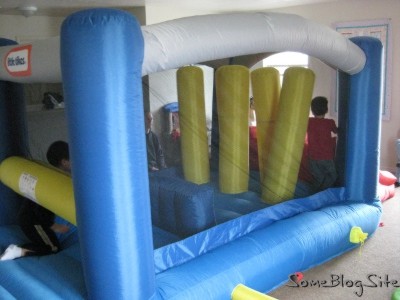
[(266, 88), (45, 185), (242, 292), (192, 120), (283, 162), (233, 102)]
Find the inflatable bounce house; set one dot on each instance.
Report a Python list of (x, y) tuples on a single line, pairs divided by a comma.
[(195, 233)]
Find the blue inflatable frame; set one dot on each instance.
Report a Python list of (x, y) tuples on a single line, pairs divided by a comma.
[(103, 93)]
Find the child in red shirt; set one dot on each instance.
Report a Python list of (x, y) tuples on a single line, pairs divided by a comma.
[(321, 145)]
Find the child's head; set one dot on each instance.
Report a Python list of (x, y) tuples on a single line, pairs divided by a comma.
[(58, 155), (319, 106)]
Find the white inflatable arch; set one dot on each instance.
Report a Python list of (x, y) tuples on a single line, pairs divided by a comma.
[(200, 39)]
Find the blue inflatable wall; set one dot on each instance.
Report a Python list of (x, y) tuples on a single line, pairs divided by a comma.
[(13, 139)]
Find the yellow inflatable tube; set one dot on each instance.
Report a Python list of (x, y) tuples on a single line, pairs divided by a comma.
[(192, 120), (266, 88), (233, 104), (45, 185), (283, 161), (242, 292)]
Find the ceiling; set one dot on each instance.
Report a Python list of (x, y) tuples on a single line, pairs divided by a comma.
[(62, 8)]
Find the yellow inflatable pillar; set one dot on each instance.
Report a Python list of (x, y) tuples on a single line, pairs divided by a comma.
[(242, 292), (192, 120), (265, 83), (233, 102), (45, 185), (283, 162)]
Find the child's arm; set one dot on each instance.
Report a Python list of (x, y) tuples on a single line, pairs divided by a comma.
[(59, 228), (334, 127)]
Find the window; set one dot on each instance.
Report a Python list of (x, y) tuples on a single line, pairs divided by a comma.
[(282, 61)]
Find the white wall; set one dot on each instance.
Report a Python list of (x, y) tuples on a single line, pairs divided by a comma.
[(26, 29), (17, 27), (362, 10)]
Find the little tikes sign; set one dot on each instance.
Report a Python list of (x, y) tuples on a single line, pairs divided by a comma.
[(18, 61)]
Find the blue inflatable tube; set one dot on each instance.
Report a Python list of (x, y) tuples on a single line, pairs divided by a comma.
[(264, 258), (364, 125), (101, 59)]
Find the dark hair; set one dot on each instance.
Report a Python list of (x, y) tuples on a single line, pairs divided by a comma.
[(57, 151), (319, 106)]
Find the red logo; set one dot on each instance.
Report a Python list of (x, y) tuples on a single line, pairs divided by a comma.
[(18, 61)]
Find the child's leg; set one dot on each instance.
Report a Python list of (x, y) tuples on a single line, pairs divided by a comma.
[(317, 174), (43, 240), (12, 252), (324, 174)]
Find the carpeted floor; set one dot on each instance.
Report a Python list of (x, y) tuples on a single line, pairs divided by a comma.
[(373, 273)]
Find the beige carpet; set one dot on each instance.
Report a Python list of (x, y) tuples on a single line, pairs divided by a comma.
[(372, 274)]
